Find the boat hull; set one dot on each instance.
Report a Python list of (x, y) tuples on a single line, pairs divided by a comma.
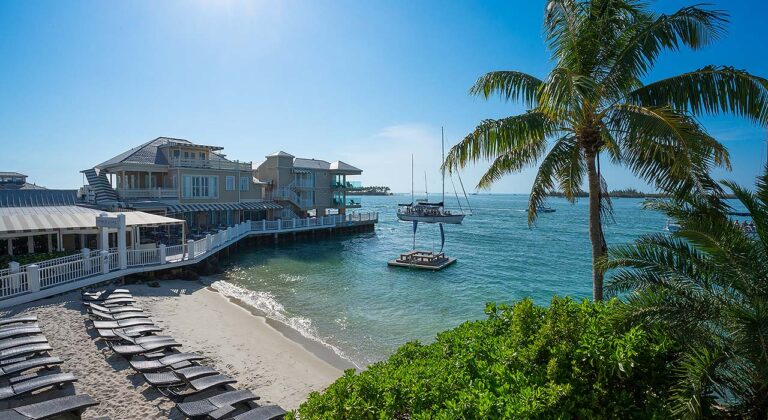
[(454, 219)]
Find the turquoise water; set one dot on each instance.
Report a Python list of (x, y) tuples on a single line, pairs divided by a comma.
[(341, 291)]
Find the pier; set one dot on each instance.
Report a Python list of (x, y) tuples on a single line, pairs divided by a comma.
[(21, 284)]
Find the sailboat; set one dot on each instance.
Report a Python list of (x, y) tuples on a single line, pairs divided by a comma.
[(423, 210)]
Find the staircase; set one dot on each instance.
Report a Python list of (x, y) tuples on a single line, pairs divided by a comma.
[(287, 214), (101, 186)]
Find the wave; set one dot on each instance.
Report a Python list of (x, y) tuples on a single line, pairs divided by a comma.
[(266, 303)]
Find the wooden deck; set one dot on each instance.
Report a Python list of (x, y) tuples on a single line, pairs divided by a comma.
[(423, 260)]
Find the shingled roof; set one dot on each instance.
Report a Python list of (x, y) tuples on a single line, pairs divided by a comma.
[(37, 198), (149, 153)]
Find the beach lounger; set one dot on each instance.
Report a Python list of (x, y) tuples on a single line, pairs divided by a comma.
[(72, 405), (24, 385), (105, 292), (119, 301), (15, 332), (18, 320), (23, 351), (112, 309), (177, 377), (198, 385), (141, 340), (111, 325), (118, 316), (137, 331), (27, 364), (224, 401), (22, 341), (134, 349), (95, 297), (266, 412), (175, 360)]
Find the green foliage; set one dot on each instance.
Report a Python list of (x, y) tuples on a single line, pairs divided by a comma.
[(32, 258), (570, 360), (707, 285)]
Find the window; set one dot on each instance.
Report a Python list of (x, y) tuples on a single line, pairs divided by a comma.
[(244, 183), (230, 183), (200, 186), (176, 154), (186, 155), (201, 155)]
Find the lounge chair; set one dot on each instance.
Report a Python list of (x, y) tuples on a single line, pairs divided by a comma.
[(113, 309), (118, 316), (15, 332), (266, 412), (24, 385), (137, 331), (177, 377), (111, 325), (107, 292), (23, 351), (175, 360), (95, 297), (118, 301), (18, 320), (22, 365), (142, 339), (73, 405), (22, 341), (224, 401), (197, 385), (134, 349)]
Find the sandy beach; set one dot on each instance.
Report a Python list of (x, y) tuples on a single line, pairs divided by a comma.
[(272, 360)]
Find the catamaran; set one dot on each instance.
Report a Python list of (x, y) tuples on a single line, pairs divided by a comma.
[(423, 210)]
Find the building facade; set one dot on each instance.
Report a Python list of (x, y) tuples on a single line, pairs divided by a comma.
[(181, 179), (307, 186)]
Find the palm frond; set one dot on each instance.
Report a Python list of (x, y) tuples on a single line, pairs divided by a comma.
[(510, 85), (710, 90), (561, 154), (493, 138)]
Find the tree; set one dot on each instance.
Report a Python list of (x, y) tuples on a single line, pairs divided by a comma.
[(707, 285), (594, 101)]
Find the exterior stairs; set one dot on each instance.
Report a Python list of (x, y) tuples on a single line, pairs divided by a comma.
[(101, 186)]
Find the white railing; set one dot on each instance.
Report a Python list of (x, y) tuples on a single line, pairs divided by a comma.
[(33, 278), (133, 193), (141, 257), (212, 164)]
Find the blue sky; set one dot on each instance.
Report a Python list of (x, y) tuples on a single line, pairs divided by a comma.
[(367, 82)]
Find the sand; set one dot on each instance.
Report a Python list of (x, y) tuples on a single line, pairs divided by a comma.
[(264, 356)]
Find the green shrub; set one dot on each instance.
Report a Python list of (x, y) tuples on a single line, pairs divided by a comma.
[(32, 258), (526, 361)]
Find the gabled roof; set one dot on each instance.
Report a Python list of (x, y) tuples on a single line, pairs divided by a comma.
[(12, 174), (149, 153), (341, 166), (280, 154), (311, 164)]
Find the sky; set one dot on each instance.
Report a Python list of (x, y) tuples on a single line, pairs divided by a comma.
[(366, 82)]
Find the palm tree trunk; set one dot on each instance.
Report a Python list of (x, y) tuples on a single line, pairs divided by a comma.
[(595, 227)]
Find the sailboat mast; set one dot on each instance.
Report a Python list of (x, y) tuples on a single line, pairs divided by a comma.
[(442, 161), (411, 179), (426, 188)]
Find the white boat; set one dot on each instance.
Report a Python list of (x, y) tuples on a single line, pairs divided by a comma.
[(545, 209), (428, 213), (672, 226)]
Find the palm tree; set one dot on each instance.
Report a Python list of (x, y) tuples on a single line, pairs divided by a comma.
[(594, 101), (707, 285)]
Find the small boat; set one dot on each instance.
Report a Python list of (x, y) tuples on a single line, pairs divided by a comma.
[(672, 226), (423, 211), (545, 209)]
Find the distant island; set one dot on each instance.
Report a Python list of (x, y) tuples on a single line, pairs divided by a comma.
[(368, 191), (623, 193)]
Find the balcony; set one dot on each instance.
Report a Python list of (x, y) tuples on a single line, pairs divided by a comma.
[(303, 183), (211, 164), (146, 193), (340, 185)]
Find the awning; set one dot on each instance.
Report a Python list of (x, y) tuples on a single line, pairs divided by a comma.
[(254, 205), (51, 218)]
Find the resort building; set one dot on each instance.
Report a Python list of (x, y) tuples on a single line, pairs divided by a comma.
[(16, 181), (178, 178), (307, 186)]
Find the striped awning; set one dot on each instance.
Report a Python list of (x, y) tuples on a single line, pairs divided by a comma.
[(253, 205), (54, 218)]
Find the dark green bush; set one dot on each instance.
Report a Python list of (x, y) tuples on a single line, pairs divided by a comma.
[(32, 258), (570, 360)]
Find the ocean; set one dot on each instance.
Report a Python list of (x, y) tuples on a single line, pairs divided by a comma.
[(341, 292)]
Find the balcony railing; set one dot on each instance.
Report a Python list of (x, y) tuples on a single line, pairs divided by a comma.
[(137, 193), (349, 203), (212, 164), (303, 183)]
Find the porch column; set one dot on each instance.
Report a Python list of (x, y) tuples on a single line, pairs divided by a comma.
[(60, 239), (10, 246), (31, 244), (137, 240), (122, 251), (104, 239), (50, 242)]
